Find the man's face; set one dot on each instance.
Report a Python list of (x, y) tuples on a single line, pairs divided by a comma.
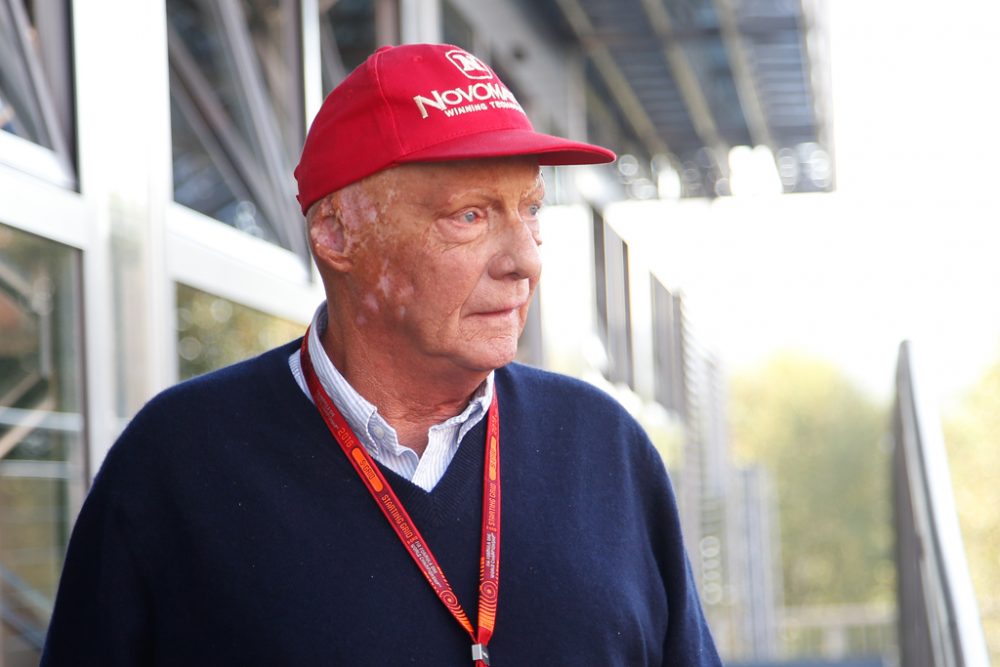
[(448, 262)]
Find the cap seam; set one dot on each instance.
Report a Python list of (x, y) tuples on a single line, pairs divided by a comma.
[(386, 106)]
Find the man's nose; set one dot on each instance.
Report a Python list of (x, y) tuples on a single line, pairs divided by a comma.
[(517, 256)]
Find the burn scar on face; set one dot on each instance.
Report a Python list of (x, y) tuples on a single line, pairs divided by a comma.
[(379, 238)]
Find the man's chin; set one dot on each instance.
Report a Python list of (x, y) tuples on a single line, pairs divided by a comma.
[(487, 360)]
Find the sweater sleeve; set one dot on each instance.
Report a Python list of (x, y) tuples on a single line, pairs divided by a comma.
[(101, 614), (688, 642)]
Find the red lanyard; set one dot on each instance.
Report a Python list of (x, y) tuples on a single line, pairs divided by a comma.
[(409, 535)]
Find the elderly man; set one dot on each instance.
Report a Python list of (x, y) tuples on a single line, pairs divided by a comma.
[(391, 489)]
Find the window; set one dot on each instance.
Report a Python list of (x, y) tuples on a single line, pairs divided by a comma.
[(612, 299), (456, 30), (41, 433), (213, 332), (530, 347), (600, 280), (350, 30), (35, 104), (237, 119), (347, 37), (668, 348)]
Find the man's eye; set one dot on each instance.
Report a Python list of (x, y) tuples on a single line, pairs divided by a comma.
[(530, 212), (470, 216)]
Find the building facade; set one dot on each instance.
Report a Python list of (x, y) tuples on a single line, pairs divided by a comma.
[(148, 228)]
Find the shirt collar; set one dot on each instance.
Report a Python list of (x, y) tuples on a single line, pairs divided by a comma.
[(362, 416)]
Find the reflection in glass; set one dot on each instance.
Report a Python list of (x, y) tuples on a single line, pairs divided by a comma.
[(213, 332), (236, 113), (456, 30), (347, 37), (20, 111), (41, 433)]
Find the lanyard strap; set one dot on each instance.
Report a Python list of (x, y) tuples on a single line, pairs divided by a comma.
[(406, 530)]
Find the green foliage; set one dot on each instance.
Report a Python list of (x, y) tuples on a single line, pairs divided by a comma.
[(822, 440), (213, 332), (972, 434)]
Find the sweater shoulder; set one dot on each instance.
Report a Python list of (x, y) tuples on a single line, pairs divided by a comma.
[(564, 403), (560, 392), (571, 425), (243, 383), (532, 377), (205, 408)]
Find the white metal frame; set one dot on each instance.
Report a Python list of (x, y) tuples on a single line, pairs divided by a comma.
[(35, 160), (953, 619), (126, 177), (38, 201), (214, 257), (42, 208), (420, 20)]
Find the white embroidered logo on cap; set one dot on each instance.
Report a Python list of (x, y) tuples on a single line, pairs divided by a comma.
[(468, 64)]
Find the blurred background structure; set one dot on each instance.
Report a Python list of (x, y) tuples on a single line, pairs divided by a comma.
[(148, 233)]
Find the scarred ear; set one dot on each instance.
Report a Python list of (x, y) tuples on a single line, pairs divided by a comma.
[(328, 236)]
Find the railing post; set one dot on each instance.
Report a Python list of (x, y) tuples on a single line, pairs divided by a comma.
[(939, 622)]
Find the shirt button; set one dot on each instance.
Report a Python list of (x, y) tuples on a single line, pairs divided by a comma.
[(378, 431)]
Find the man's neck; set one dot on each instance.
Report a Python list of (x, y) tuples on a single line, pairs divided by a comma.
[(411, 398)]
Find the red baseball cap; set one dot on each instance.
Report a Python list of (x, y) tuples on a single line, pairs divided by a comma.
[(421, 103)]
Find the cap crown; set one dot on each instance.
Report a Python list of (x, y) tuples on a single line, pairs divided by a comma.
[(420, 102)]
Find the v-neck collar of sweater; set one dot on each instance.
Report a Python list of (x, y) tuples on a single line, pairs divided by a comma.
[(459, 489)]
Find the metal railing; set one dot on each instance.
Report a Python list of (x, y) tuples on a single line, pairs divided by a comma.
[(939, 622), (23, 609)]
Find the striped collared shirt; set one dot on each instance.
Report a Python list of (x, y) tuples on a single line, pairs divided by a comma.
[(374, 432)]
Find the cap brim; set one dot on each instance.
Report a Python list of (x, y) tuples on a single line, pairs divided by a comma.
[(549, 150)]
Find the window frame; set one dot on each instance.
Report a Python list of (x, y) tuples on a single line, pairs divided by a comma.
[(49, 71), (213, 257)]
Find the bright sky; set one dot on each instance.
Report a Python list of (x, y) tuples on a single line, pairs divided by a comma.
[(909, 245)]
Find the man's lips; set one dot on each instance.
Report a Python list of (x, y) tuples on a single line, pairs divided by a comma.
[(502, 311)]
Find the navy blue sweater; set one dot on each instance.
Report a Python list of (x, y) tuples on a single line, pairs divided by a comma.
[(226, 527)]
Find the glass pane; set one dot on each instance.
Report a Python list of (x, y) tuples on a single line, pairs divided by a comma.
[(201, 180), (273, 29), (41, 433), (213, 332), (456, 30), (347, 37), (236, 119), (216, 45), (19, 107)]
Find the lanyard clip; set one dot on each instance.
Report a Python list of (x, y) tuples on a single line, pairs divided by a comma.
[(480, 654)]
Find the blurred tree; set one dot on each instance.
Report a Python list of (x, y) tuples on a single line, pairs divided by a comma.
[(972, 434), (213, 332), (822, 439)]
